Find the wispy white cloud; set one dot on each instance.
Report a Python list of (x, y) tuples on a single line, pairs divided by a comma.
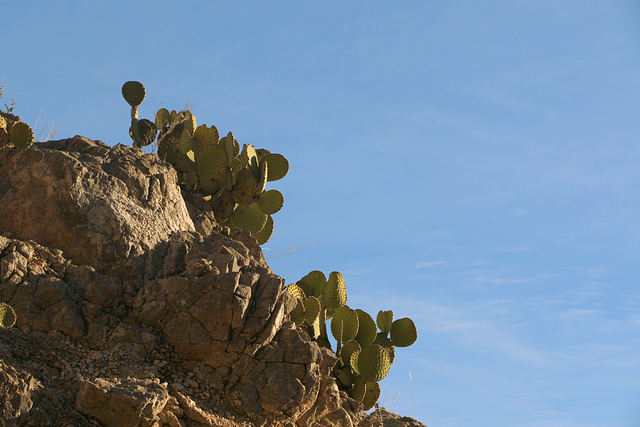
[(428, 264)]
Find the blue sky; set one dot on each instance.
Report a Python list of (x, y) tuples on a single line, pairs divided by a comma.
[(472, 165)]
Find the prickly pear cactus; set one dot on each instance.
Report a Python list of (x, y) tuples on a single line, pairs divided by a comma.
[(232, 180), (133, 92), (21, 135), (365, 354), (7, 316)]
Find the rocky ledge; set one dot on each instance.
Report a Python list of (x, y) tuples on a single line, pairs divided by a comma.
[(135, 308)]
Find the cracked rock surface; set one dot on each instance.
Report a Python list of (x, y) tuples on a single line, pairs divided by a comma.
[(135, 308)]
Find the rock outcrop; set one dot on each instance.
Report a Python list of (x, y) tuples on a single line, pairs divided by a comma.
[(136, 309)]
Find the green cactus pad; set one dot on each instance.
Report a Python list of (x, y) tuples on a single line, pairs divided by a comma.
[(211, 162), (384, 320), (21, 135), (248, 218), (348, 348), (278, 166), (297, 314), (245, 190), (185, 143), (371, 396), (313, 283), (359, 388), (335, 291), (264, 235), (296, 291), (147, 133), (206, 137), (252, 160), (190, 123), (311, 310), (367, 330), (373, 363), (163, 117), (133, 92), (262, 177), (383, 340), (403, 332), (7, 315), (353, 361), (271, 202), (386, 343), (344, 325), (345, 375)]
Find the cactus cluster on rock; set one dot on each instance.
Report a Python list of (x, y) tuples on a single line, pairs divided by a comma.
[(18, 133), (364, 354), (231, 178)]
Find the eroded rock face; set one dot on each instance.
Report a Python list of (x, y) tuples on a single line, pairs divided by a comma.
[(102, 206), (151, 323)]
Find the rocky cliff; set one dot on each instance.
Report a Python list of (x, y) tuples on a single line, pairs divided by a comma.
[(134, 308)]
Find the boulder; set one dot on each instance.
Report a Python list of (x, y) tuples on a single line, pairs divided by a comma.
[(102, 206)]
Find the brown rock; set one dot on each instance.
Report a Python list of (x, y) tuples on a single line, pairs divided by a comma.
[(101, 205), (383, 418)]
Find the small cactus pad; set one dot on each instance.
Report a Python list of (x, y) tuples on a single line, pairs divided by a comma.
[(211, 162), (296, 291), (403, 332), (373, 363), (264, 235), (335, 291), (251, 159), (359, 388), (271, 201), (345, 375), (371, 396), (278, 166), (297, 314), (7, 316), (133, 92), (384, 320), (21, 135), (386, 343), (185, 143), (311, 309), (367, 330), (3, 123), (163, 117), (344, 325), (147, 132), (190, 123), (248, 218), (348, 349), (206, 137), (313, 283)]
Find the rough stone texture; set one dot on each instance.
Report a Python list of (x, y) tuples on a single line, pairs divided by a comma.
[(100, 205), (155, 322), (383, 418)]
